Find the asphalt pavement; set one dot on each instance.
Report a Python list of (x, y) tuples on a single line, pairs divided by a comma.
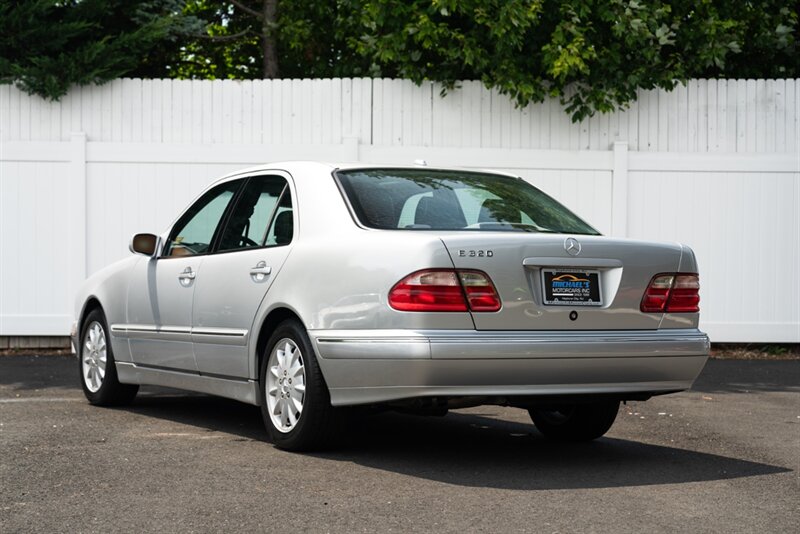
[(723, 457)]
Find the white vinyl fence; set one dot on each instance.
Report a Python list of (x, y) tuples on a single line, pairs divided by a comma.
[(714, 164)]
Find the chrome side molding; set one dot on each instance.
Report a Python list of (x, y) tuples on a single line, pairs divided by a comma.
[(217, 336)]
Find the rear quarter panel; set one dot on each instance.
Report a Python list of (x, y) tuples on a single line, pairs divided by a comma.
[(345, 284), (338, 274)]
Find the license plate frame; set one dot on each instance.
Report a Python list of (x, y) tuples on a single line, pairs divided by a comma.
[(588, 293)]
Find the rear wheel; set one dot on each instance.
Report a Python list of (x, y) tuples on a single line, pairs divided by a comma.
[(96, 365), (295, 404), (575, 422)]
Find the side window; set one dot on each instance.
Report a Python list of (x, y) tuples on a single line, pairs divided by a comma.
[(194, 232), (281, 230), (247, 226)]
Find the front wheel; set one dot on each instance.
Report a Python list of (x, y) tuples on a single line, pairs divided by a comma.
[(96, 365), (575, 422), (295, 403)]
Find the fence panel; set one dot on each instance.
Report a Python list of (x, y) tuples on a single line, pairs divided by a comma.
[(745, 230), (714, 164)]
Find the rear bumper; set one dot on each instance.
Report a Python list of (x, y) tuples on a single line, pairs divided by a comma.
[(363, 367)]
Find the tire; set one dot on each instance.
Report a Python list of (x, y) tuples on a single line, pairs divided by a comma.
[(295, 402), (575, 422), (96, 365)]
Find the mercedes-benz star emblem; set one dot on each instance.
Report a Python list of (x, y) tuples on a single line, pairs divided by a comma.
[(572, 246)]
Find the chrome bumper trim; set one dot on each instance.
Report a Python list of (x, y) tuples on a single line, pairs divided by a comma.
[(473, 344), (374, 348)]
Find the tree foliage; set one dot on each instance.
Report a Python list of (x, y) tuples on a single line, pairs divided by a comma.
[(47, 45), (592, 54)]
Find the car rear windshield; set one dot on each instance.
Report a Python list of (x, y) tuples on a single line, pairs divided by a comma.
[(421, 199)]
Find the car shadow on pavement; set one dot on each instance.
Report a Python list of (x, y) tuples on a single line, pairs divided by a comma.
[(469, 449), (473, 450), (215, 414)]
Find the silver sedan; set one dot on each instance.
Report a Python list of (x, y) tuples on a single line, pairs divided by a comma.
[(307, 288)]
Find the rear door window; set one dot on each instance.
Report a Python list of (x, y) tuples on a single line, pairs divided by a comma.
[(252, 218), (281, 230)]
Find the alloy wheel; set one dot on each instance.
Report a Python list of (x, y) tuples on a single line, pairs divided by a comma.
[(286, 385), (94, 356)]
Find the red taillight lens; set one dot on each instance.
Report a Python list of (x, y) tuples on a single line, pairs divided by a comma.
[(655, 298), (432, 290), (445, 290), (685, 294), (481, 294), (672, 293)]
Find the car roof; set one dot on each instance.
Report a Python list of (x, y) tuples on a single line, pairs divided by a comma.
[(298, 168)]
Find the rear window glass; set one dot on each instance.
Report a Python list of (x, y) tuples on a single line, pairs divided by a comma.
[(421, 199)]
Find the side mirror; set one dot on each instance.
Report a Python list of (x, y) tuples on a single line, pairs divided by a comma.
[(144, 244)]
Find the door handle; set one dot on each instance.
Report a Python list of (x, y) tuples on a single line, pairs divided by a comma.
[(187, 276), (260, 271)]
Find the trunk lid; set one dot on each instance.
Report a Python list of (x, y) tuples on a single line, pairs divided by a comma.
[(515, 262)]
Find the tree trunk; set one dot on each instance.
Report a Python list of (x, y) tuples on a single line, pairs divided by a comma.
[(268, 22)]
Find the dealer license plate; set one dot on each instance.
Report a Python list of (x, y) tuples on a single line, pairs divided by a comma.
[(571, 287)]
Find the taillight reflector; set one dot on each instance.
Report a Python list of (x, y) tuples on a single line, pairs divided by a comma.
[(672, 293), (445, 290)]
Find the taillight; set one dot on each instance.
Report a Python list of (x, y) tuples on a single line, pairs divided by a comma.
[(685, 294), (672, 293), (445, 290), (657, 293), (433, 290), (481, 294)]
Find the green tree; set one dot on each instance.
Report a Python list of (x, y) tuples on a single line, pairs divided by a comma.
[(592, 54), (48, 45)]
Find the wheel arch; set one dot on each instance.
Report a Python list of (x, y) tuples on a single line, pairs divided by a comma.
[(90, 304), (276, 316)]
